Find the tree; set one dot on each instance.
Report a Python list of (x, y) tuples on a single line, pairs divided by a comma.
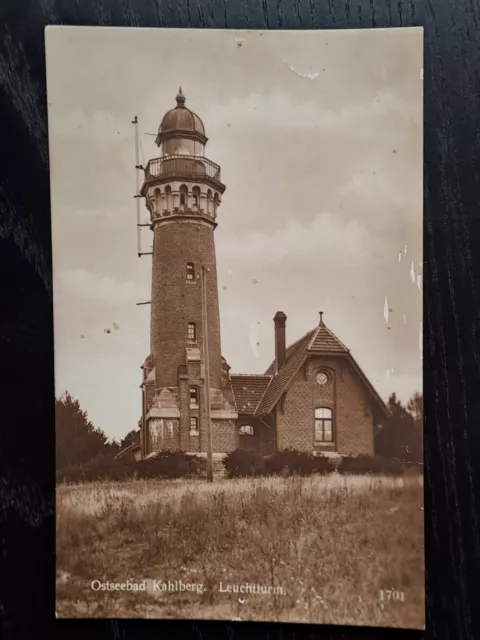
[(77, 440), (401, 437), (131, 438)]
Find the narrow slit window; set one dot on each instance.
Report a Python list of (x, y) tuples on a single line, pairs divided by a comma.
[(190, 271), (193, 397)]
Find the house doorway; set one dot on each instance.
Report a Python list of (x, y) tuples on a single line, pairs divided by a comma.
[(248, 438)]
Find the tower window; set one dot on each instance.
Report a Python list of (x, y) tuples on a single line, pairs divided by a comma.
[(190, 271), (191, 332), (323, 425), (193, 426), (193, 397)]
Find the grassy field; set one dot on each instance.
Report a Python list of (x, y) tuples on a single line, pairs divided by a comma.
[(333, 543)]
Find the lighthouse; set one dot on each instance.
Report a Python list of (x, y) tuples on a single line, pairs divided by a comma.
[(183, 190)]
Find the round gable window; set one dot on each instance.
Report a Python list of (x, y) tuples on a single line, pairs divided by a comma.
[(322, 378)]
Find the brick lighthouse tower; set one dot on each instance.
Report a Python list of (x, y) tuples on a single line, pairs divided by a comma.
[(182, 190)]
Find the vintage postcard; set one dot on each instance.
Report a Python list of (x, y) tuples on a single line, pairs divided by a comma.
[(237, 256)]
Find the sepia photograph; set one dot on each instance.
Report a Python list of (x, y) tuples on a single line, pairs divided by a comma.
[(237, 235)]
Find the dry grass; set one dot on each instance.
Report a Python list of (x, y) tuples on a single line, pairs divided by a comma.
[(332, 542)]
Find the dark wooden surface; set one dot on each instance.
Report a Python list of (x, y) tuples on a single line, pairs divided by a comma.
[(451, 321)]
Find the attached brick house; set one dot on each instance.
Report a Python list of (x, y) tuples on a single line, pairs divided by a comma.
[(313, 397)]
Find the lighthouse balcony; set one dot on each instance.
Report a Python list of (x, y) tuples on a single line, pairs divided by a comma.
[(182, 167)]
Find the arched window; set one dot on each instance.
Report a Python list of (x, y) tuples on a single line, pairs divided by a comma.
[(183, 195), (246, 430), (168, 193), (216, 202), (196, 197), (323, 425), (190, 271), (209, 201), (194, 397), (191, 332)]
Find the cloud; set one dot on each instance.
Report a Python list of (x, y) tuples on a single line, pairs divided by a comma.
[(87, 285), (279, 112), (327, 240)]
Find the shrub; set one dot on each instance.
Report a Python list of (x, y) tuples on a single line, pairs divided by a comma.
[(292, 462), (164, 465), (240, 463), (370, 464), (170, 464)]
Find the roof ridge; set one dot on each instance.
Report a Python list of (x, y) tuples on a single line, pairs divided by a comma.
[(314, 337), (264, 375), (330, 333), (290, 346)]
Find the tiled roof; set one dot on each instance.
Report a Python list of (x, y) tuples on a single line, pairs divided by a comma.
[(290, 349), (325, 341), (295, 358), (248, 390)]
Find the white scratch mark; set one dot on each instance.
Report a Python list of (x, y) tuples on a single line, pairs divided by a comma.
[(388, 373), (400, 257), (421, 73), (385, 310), (404, 319), (310, 76), (412, 273), (405, 250), (419, 283)]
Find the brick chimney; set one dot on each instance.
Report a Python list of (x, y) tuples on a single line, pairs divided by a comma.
[(280, 348)]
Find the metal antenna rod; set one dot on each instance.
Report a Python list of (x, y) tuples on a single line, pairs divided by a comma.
[(137, 181)]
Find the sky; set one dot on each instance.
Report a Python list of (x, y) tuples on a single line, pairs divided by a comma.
[(319, 138)]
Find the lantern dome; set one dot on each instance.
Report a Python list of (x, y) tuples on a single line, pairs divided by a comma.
[(182, 122)]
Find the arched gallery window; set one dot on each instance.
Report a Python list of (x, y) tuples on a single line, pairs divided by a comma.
[(196, 197), (168, 193), (183, 195)]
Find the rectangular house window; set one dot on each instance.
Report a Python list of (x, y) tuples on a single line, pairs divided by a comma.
[(323, 425), (194, 426), (190, 271)]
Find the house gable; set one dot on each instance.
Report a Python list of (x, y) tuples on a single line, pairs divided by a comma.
[(318, 342)]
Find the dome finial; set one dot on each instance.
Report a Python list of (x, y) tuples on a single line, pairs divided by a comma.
[(321, 323), (180, 97)]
